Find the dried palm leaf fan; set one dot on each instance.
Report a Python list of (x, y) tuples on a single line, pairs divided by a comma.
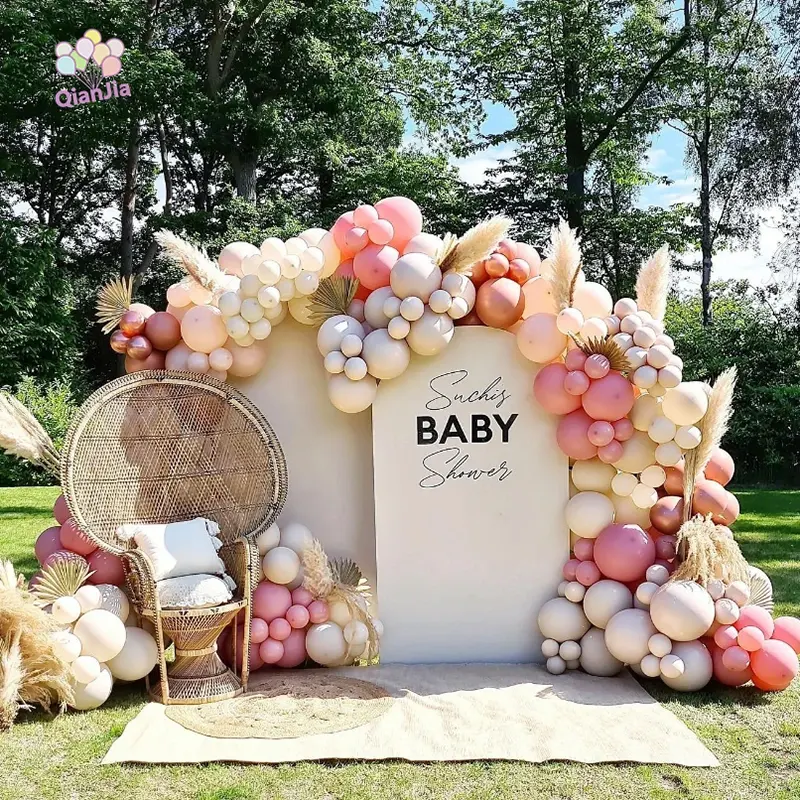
[(113, 300), (22, 436), (332, 297), (607, 347), (475, 245), (157, 447), (60, 579)]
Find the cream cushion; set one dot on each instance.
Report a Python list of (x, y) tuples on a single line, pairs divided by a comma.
[(178, 548), (195, 591)]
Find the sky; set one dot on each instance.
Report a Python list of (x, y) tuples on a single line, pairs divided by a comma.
[(665, 157)]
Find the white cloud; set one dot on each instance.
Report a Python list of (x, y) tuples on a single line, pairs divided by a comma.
[(473, 169)]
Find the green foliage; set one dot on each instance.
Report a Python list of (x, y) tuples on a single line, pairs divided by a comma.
[(54, 405)]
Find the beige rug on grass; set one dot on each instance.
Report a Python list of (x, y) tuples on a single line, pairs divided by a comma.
[(447, 712)]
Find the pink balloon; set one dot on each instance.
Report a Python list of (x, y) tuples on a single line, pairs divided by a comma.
[(774, 666), (751, 639), (63, 555), (234, 659), (339, 231), (725, 636), (583, 549), (726, 676), (610, 453), (787, 629), (356, 239), (271, 601), (596, 366), (61, 510), (587, 573), (259, 630), (107, 568), (609, 398), (373, 264), (669, 566), (624, 552), (302, 597), (73, 538), (279, 629), (736, 658), (623, 429), (539, 339), (364, 216), (177, 357), (111, 66), (575, 359), (600, 433), (569, 569), (755, 615), (571, 435), (380, 232), (529, 254), (271, 651), (294, 650), (405, 217), (576, 382), (666, 546), (318, 611), (47, 543), (297, 616), (548, 388)]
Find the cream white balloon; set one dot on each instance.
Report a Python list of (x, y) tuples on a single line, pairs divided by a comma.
[(102, 634), (352, 397), (137, 658), (88, 696), (281, 565)]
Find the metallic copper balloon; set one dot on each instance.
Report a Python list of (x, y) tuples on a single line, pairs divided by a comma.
[(519, 271), (720, 468), (132, 323), (667, 514), (154, 361), (712, 498), (139, 347), (163, 330), (119, 342), (500, 302), (496, 265), (674, 481), (479, 274)]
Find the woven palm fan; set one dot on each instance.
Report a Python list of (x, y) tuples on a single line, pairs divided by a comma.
[(156, 447)]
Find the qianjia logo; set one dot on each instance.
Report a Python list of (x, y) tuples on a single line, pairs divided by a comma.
[(95, 64)]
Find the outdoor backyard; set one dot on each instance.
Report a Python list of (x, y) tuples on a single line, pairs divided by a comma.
[(755, 735)]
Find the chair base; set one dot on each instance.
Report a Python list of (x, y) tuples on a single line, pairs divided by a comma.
[(198, 691)]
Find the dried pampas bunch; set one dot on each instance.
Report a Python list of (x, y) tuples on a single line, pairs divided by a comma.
[(194, 262), (22, 436), (652, 283), (340, 581), (565, 259), (713, 427), (707, 553), (30, 671), (475, 245), (333, 297)]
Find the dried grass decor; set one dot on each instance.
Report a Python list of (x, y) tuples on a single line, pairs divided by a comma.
[(565, 263), (22, 436), (194, 262), (475, 245), (30, 671), (340, 581), (652, 283), (708, 553)]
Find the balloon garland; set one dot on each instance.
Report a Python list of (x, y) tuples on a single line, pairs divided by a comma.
[(656, 579)]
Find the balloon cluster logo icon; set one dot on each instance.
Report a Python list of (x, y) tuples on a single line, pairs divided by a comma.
[(95, 64)]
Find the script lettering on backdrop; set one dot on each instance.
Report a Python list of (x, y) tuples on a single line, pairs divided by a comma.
[(476, 417)]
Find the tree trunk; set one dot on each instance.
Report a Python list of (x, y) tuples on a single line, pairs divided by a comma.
[(703, 149), (244, 174), (616, 250), (573, 125)]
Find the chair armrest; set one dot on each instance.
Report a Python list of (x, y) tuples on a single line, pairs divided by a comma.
[(141, 581), (243, 564)]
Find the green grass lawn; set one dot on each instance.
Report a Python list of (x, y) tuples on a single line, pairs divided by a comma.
[(755, 736)]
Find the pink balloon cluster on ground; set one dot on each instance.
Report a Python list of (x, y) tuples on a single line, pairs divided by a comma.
[(66, 541)]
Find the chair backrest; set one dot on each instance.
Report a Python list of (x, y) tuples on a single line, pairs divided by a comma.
[(160, 446)]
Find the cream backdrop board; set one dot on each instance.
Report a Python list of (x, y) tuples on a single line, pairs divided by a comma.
[(470, 534), (329, 454)]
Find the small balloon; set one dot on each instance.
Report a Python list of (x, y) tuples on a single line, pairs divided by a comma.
[(101, 52), (85, 46), (80, 61), (65, 65), (116, 47), (93, 35), (63, 49), (111, 66)]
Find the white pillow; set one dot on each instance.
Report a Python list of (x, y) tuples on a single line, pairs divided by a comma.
[(179, 548), (195, 591)]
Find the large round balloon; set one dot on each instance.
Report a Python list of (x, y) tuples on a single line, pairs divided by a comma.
[(697, 667), (720, 468), (106, 568), (404, 216), (500, 303), (604, 599), (572, 434), (609, 398), (628, 633), (203, 329), (102, 634), (539, 339), (88, 696), (137, 658), (624, 552), (682, 610), (562, 620), (548, 388), (774, 666), (595, 657)]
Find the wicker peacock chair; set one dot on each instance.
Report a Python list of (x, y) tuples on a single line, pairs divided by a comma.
[(159, 447)]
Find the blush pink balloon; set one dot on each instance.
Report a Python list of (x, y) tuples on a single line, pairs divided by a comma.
[(47, 543), (583, 549), (575, 359), (774, 666), (302, 597), (736, 658), (596, 366), (259, 630), (61, 510), (623, 429), (234, 658), (279, 629), (725, 636), (610, 453), (297, 616), (177, 357), (380, 232), (356, 239), (669, 566), (726, 676), (318, 611), (600, 433), (271, 651), (787, 629), (271, 601), (757, 616), (587, 573), (624, 552), (405, 217), (751, 639), (666, 546), (576, 383), (107, 568), (569, 569), (572, 438), (294, 650), (111, 66), (609, 398), (73, 538), (548, 388), (339, 231), (64, 555), (373, 264), (364, 216)]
